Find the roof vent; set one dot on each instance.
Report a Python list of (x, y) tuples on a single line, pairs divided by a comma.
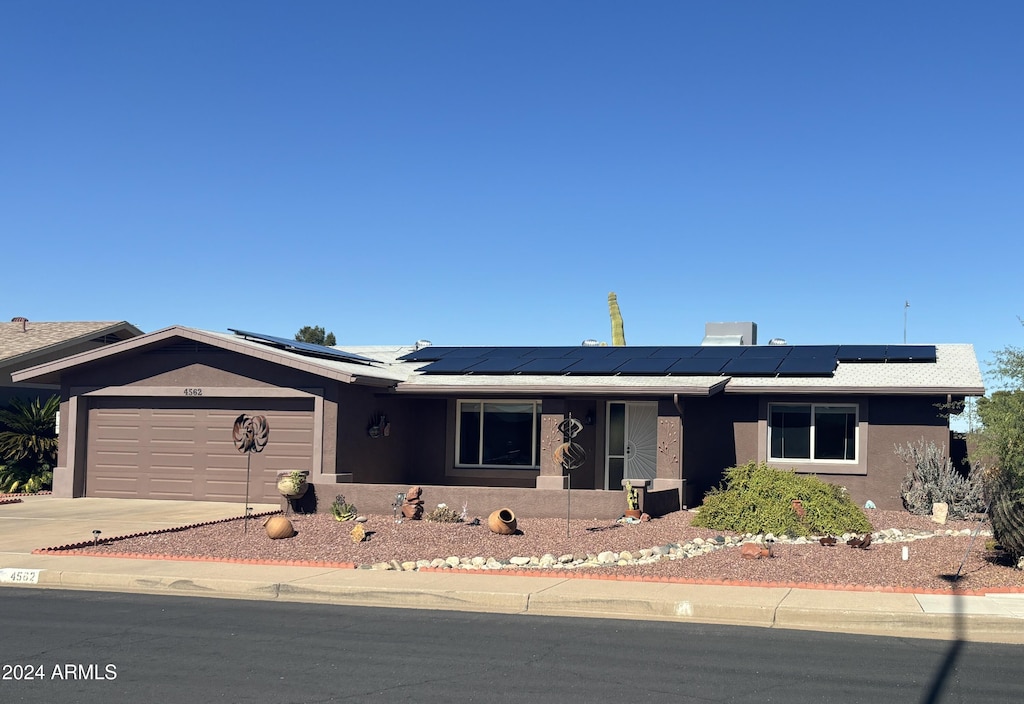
[(778, 341), (591, 343), (23, 321), (420, 344)]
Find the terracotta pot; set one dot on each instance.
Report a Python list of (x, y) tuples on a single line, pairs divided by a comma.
[(279, 527), (502, 522), (634, 513)]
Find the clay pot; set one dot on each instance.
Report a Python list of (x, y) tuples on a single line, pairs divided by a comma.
[(502, 522), (634, 513), (287, 488), (279, 527)]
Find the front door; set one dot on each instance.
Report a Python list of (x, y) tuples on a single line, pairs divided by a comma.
[(632, 442)]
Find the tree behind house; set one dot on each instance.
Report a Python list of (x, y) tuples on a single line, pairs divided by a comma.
[(316, 336), (1001, 449)]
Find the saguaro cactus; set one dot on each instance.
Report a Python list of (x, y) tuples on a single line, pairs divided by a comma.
[(618, 333)]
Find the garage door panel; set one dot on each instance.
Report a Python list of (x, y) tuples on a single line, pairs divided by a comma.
[(188, 453)]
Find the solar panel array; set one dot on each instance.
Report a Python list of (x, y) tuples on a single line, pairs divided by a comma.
[(771, 360), (305, 348)]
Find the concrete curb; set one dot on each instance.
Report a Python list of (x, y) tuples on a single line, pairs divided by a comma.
[(846, 612)]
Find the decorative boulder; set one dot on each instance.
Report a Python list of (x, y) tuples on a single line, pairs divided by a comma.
[(279, 527)]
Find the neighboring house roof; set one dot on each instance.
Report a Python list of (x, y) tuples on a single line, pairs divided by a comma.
[(25, 343), (954, 371)]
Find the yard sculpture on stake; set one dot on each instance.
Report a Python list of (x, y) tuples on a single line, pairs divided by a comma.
[(250, 434), (570, 456)]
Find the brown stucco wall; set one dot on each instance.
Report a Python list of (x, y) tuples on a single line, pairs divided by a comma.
[(886, 422)]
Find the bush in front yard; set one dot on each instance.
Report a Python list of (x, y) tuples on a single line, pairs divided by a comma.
[(756, 498), (931, 478)]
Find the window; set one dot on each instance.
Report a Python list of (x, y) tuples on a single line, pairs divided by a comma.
[(498, 434), (815, 432)]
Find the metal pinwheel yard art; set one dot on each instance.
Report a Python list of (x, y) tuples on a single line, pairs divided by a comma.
[(570, 456), (250, 434)]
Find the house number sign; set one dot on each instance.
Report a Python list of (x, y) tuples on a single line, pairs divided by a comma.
[(193, 392)]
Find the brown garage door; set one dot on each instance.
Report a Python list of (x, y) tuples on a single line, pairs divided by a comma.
[(182, 448)]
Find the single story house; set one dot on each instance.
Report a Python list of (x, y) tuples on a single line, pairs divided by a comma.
[(153, 416), (25, 343)]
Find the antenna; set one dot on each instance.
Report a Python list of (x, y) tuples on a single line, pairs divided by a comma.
[(906, 304)]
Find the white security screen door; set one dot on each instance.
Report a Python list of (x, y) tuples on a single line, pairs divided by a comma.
[(632, 442)]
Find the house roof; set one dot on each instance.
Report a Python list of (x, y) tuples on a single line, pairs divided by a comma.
[(953, 370), (371, 373), (24, 343)]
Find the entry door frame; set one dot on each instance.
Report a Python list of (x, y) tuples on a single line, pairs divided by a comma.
[(634, 448)]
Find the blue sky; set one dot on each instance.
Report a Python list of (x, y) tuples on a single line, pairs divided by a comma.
[(485, 173)]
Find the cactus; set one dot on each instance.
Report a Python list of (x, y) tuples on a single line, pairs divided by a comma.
[(342, 510), (632, 499), (1007, 511), (618, 332)]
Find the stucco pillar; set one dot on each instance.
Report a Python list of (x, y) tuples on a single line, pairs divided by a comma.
[(551, 475), (669, 474)]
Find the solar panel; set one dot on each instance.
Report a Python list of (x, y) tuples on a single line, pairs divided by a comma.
[(765, 352), (718, 351), (806, 366), (910, 353), (753, 366), (861, 353), (630, 352), (697, 365), (306, 348), (596, 365), (544, 365), (429, 352), (551, 352), (675, 352), (509, 351), (494, 365), (813, 351), (646, 365), (449, 366)]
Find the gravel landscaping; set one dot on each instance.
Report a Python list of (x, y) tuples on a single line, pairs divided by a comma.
[(666, 547)]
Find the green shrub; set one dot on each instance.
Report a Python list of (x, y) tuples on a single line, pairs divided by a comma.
[(756, 498), (23, 479)]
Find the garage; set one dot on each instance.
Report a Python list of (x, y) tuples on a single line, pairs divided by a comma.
[(182, 448)]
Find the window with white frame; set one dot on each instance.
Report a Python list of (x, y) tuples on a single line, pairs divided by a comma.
[(498, 434), (813, 432)]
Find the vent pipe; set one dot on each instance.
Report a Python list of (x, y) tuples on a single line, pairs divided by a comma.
[(23, 321)]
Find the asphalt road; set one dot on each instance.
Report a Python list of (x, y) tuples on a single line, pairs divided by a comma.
[(98, 647)]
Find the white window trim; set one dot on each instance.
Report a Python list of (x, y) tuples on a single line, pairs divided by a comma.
[(534, 440), (813, 460)]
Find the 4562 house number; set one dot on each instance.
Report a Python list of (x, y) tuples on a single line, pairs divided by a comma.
[(193, 392)]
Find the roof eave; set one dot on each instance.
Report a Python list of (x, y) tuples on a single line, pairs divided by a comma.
[(861, 390), (581, 390)]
